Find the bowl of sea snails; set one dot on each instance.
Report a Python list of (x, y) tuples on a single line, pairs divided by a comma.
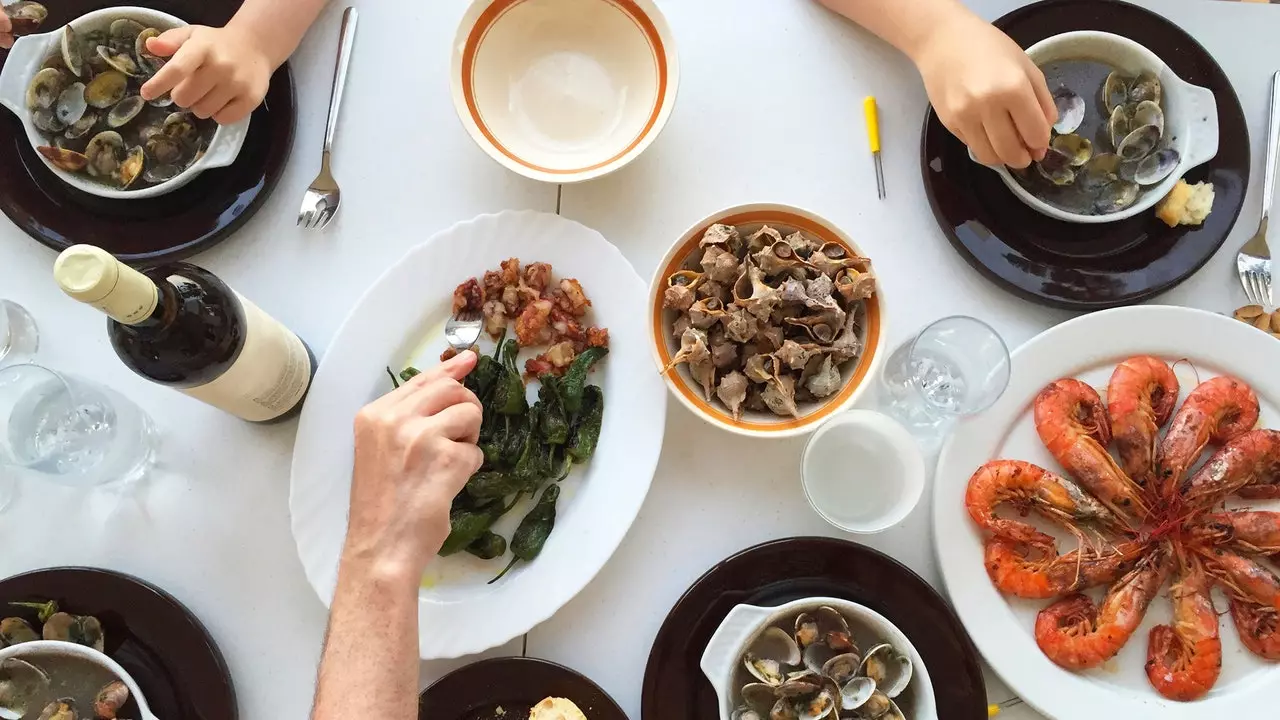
[(816, 659), (1128, 129), (76, 90), (766, 320)]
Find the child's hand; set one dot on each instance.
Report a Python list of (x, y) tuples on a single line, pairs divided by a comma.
[(988, 93), (218, 73), (6, 34)]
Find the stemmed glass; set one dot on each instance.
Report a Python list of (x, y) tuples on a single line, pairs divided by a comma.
[(955, 367), (18, 335)]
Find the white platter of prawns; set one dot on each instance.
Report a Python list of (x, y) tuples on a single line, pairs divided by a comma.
[(1106, 529)]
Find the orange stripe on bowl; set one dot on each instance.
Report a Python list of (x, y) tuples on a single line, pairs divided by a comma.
[(486, 22), (770, 217)]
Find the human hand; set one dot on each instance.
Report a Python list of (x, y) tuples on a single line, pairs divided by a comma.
[(987, 92), (6, 31), (219, 73), (415, 450)]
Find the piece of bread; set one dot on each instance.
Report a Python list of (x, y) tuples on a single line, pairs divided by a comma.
[(556, 709), (1186, 204)]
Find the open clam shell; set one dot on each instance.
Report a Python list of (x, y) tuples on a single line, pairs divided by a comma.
[(855, 693), (745, 713), (1075, 148), (1115, 91), (1139, 143), (21, 684), (890, 669), (1148, 113), (1071, 109), (835, 630), (817, 706), (770, 655), (45, 88), (1146, 87), (72, 54), (806, 630), (842, 668), (1157, 166), (760, 697)]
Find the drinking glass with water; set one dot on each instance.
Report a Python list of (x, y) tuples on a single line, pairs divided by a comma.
[(18, 336), (69, 431), (955, 367)]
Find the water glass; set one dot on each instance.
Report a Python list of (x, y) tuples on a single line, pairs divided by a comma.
[(70, 431), (18, 336), (957, 366)]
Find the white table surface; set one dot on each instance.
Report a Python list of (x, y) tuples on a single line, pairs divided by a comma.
[(211, 526)]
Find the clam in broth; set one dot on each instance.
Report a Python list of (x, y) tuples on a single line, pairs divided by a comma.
[(809, 667), (1110, 144), (87, 105)]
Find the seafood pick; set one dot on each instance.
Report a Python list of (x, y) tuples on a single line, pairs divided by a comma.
[(1154, 516)]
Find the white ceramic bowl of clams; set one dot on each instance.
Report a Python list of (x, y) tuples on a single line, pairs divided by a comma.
[(1128, 129), (90, 128), (816, 659), (767, 319)]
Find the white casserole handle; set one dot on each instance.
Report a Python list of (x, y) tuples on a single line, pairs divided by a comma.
[(1202, 111), (720, 659), (26, 53), (227, 149)]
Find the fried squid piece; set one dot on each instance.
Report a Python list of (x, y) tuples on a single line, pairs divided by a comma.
[(468, 296), (495, 317), (533, 326), (537, 276), (597, 337), (571, 298), (555, 361)]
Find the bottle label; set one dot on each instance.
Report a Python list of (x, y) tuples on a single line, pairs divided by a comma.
[(270, 376)]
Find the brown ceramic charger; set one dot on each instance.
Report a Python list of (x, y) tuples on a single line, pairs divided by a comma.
[(168, 227), (780, 571), (1088, 267), (514, 684), (157, 640)]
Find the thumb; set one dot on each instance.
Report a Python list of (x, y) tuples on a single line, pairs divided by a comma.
[(168, 42), (459, 365)]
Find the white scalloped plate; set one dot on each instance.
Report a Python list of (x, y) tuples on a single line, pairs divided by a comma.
[(400, 320), (1089, 347)]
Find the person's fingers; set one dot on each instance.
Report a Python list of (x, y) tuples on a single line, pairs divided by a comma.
[(1044, 107), (182, 66), (191, 91), (1004, 137), (213, 103), (168, 42), (439, 395), (6, 40), (456, 367), (235, 111), (976, 138), (460, 423)]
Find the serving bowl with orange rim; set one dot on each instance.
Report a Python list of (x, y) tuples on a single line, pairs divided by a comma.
[(564, 90), (856, 375)]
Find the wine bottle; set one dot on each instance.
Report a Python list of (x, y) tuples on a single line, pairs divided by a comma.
[(179, 325)]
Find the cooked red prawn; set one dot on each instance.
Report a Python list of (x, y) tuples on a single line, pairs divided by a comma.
[(1140, 398), (1075, 634), (1030, 487), (1184, 658), (1217, 411), (1258, 627), (1028, 571), (1073, 425), (1255, 531), (1243, 577), (1248, 465)]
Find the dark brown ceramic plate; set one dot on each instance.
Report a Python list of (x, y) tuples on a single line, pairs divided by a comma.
[(1088, 267), (506, 688), (168, 227), (780, 571), (157, 640)]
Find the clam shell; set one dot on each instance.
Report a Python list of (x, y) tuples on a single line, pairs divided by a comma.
[(1071, 111), (1148, 113), (45, 89), (125, 111), (1157, 166), (759, 696), (1146, 87), (806, 630), (71, 105), (1075, 148), (64, 159), (1120, 124), (890, 669), (72, 56), (1115, 91), (1139, 143), (842, 668), (1117, 196), (106, 89), (1101, 170)]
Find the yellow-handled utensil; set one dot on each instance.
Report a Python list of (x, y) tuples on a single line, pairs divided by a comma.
[(995, 709), (873, 135)]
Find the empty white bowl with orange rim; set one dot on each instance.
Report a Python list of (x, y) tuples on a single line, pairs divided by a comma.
[(564, 90), (857, 375)]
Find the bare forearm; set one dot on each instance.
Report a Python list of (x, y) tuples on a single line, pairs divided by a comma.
[(370, 663), (905, 24), (278, 24)]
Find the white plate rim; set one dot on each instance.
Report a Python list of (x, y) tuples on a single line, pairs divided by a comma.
[(333, 402), (1080, 343)]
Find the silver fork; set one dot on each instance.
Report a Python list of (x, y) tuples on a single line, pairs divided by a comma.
[(1254, 261), (463, 330), (321, 201)]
